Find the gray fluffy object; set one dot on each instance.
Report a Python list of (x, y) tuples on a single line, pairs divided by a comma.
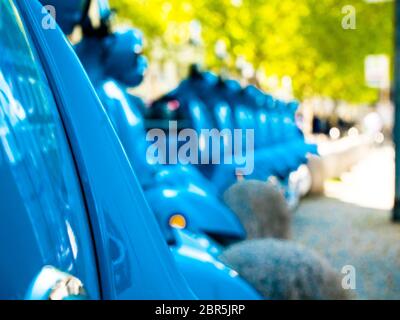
[(282, 270), (261, 208)]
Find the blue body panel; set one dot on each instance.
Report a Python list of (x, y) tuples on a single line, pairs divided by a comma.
[(133, 259), (43, 218)]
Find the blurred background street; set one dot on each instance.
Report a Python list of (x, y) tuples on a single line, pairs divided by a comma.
[(350, 224)]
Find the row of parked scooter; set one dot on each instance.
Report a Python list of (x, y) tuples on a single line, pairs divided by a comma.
[(188, 197), (227, 231)]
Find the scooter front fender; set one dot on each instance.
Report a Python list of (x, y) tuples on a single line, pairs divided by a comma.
[(202, 212), (208, 277)]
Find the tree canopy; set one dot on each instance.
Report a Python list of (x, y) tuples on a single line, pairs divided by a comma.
[(303, 39)]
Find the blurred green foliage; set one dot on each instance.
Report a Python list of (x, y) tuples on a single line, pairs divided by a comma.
[(303, 39)]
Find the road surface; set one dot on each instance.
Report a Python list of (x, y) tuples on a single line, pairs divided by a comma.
[(351, 225)]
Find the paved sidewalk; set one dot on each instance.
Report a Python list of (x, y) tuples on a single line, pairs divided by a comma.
[(355, 228)]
